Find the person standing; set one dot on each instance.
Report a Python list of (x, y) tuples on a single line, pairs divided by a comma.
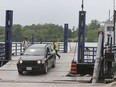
[(25, 44), (55, 47)]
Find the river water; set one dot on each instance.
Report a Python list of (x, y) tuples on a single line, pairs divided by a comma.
[(72, 47)]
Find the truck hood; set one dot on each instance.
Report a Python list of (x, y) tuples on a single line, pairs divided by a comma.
[(32, 57)]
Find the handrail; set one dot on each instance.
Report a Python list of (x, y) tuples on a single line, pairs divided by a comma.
[(2, 53), (17, 48), (89, 54)]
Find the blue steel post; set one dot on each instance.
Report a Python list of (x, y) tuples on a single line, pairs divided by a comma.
[(32, 38), (81, 36), (8, 34), (65, 38)]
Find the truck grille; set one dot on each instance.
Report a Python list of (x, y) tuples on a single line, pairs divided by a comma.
[(29, 63)]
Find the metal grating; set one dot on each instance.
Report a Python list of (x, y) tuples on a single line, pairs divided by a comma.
[(29, 63)]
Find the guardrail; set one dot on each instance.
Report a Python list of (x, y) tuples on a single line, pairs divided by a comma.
[(109, 49), (89, 54), (17, 48), (114, 48), (2, 53)]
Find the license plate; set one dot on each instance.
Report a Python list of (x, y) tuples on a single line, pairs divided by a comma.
[(28, 68)]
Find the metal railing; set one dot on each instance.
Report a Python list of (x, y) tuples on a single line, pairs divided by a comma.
[(2, 53), (17, 48), (89, 54)]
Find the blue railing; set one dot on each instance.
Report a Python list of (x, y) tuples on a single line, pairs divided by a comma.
[(17, 48), (2, 53), (89, 54)]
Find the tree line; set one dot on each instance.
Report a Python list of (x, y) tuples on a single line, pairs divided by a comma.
[(49, 32)]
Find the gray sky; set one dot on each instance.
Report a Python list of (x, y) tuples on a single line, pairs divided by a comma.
[(27, 12)]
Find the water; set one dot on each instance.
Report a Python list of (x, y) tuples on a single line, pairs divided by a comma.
[(71, 45), (88, 44), (73, 48), (74, 45)]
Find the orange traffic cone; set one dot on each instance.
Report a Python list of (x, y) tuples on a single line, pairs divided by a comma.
[(73, 67)]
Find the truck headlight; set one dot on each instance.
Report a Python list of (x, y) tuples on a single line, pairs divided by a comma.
[(38, 61), (43, 61), (20, 61)]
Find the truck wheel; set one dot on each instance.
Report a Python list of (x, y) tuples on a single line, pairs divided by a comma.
[(20, 72), (45, 70), (54, 64)]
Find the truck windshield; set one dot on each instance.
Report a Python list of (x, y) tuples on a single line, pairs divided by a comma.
[(35, 52)]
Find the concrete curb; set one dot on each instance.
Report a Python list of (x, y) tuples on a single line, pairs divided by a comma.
[(113, 84)]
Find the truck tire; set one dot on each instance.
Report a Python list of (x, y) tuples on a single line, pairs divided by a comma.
[(45, 70), (54, 64), (20, 72)]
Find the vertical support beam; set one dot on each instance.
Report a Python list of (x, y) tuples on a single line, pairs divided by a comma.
[(32, 38), (108, 39), (65, 38), (8, 34), (81, 36), (99, 55), (114, 26), (111, 45)]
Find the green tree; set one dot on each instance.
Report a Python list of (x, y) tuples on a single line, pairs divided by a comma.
[(92, 31), (17, 33), (94, 25), (2, 33), (49, 32)]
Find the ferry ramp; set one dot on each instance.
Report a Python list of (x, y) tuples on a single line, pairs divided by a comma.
[(56, 77)]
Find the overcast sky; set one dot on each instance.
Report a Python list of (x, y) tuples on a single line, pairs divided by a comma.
[(27, 12)]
